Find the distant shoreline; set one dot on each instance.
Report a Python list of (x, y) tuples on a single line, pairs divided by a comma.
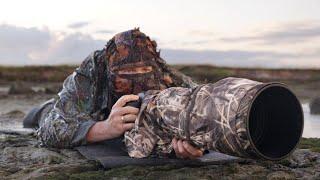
[(12, 73), (175, 65), (304, 82)]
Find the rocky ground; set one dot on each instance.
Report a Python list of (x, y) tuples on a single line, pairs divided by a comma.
[(21, 158)]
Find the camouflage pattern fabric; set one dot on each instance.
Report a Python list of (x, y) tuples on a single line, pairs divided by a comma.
[(209, 116), (89, 93), (132, 50)]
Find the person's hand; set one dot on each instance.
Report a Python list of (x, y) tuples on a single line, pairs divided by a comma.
[(184, 150), (122, 118)]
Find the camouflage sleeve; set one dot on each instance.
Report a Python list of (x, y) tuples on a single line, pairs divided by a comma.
[(163, 117), (142, 139), (156, 125), (69, 121), (186, 81)]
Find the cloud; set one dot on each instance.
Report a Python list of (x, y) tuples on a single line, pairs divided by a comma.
[(29, 46), (286, 34), (106, 31), (25, 46), (78, 25), (73, 49), (23, 38), (236, 58), (204, 33), (17, 43)]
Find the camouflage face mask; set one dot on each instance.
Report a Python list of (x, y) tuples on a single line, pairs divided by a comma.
[(132, 64)]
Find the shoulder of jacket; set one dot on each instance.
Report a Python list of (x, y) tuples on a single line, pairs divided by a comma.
[(91, 63)]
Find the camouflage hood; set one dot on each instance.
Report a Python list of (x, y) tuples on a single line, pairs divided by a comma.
[(132, 61), (129, 64)]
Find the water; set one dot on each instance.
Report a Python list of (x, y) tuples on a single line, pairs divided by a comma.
[(311, 123)]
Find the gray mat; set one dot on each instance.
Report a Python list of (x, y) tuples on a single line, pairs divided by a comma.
[(112, 154)]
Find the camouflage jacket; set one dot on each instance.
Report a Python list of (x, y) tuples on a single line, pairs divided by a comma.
[(84, 100)]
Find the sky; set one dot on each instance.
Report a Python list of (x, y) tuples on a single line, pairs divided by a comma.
[(246, 33)]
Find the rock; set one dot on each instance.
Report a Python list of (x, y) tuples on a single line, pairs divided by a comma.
[(281, 175), (21, 158), (303, 158), (4, 91), (11, 123), (27, 155), (52, 89), (315, 106), (20, 88), (14, 114), (16, 140), (38, 89)]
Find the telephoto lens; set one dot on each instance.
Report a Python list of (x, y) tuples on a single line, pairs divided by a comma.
[(235, 116)]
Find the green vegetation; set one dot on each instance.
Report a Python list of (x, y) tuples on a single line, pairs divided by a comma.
[(35, 73), (201, 73), (205, 73), (305, 83), (310, 143), (156, 172)]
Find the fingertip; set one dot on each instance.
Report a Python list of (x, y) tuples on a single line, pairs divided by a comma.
[(192, 150), (130, 110), (185, 144), (180, 146), (135, 111), (129, 126), (198, 153), (129, 97), (174, 141), (174, 145), (134, 96)]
